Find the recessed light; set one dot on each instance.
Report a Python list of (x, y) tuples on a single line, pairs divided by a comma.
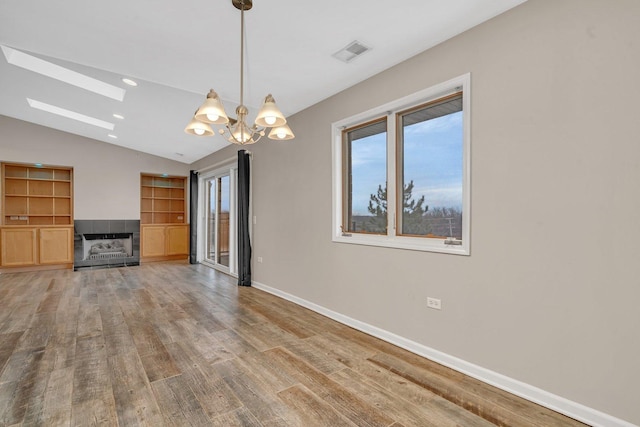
[(38, 165), (37, 65), (69, 114), (112, 136), (118, 116), (165, 175), (129, 82)]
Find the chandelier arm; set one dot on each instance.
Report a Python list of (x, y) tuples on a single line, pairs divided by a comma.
[(228, 135)]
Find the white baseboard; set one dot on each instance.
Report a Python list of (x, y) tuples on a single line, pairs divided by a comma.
[(559, 404)]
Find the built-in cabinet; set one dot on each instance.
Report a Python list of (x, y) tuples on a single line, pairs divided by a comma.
[(164, 232), (19, 246), (37, 246), (37, 217)]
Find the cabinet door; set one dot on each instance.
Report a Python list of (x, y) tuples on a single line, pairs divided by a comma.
[(153, 241), (56, 245), (18, 247), (177, 240)]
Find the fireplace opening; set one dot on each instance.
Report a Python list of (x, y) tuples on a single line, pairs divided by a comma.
[(107, 246), (106, 243)]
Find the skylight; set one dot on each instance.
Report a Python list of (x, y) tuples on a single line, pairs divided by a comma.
[(70, 114), (37, 65)]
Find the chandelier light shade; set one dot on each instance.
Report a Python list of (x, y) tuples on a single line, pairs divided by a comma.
[(237, 131), (270, 115), (198, 128), (281, 133), (212, 110)]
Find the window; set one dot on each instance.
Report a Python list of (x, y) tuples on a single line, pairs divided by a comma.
[(365, 154), (401, 172)]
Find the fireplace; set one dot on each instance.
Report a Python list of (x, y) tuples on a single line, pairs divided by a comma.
[(106, 243), (105, 246)]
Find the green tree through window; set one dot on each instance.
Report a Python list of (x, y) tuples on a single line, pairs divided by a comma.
[(418, 220), (414, 212)]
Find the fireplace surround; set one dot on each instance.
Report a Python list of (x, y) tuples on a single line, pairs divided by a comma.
[(106, 243)]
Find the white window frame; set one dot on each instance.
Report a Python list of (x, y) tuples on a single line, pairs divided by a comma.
[(391, 240)]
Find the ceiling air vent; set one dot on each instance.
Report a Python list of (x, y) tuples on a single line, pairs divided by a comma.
[(351, 51)]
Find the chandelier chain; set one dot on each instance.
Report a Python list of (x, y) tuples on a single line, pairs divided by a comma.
[(242, 54)]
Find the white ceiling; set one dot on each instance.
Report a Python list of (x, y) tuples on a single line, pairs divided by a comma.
[(177, 51)]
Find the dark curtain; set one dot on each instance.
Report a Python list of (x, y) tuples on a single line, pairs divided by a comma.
[(193, 217), (244, 243)]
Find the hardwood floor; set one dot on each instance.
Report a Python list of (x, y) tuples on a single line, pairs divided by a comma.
[(176, 344)]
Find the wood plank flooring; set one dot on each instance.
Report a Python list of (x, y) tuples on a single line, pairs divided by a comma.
[(172, 344)]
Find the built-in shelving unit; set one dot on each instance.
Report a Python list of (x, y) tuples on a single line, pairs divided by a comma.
[(164, 231), (36, 229), (162, 200), (37, 195)]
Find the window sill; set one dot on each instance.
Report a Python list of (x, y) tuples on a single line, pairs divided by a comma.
[(410, 243)]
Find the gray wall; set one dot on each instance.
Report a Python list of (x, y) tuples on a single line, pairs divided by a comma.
[(106, 177), (549, 295)]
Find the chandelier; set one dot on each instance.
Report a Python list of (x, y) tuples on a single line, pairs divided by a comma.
[(237, 131)]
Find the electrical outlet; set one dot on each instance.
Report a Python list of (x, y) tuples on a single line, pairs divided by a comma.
[(434, 303), (260, 259)]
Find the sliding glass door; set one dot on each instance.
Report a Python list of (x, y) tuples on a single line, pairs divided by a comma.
[(218, 205)]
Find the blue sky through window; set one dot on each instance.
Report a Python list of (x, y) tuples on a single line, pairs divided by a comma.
[(225, 199), (432, 159)]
